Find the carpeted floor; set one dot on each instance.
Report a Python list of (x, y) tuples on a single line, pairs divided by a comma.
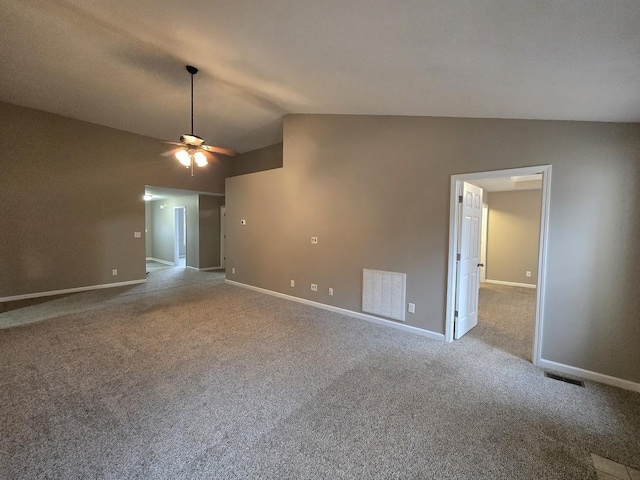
[(206, 380)]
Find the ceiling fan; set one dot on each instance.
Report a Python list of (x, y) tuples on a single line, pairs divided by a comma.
[(192, 150)]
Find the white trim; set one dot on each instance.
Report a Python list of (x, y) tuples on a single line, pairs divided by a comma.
[(165, 262), (70, 290), (545, 208), (456, 182), (208, 268), (589, 375), (483, 246), (511, 284), (344, 311)]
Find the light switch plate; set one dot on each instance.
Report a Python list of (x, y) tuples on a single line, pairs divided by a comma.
[(412, 308)]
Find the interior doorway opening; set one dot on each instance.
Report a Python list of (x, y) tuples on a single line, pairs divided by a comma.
[(180, 236), (470, 258)]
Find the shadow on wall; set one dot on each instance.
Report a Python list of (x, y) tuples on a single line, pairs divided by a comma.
[(614, 214)]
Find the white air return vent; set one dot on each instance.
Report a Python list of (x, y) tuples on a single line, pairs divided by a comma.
[(384, 293)]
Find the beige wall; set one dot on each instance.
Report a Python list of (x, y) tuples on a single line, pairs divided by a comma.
[(375, 190), (71, 200), (513, 234), (266, 158)]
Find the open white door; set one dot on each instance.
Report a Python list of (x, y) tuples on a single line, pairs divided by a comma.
[(468, 278)]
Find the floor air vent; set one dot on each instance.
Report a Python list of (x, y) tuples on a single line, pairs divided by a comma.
[(572, 381)]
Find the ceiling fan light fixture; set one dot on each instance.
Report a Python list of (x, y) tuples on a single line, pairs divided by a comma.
[(192, 148), (191, 139), (183, 157), (201, 159)]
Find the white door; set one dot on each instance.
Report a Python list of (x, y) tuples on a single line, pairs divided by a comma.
[(467, 289), (223, 236)]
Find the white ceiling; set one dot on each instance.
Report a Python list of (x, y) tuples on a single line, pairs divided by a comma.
[(504, 184), (121, 64)]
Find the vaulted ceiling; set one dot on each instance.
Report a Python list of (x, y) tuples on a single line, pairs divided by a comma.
[(121, 64)]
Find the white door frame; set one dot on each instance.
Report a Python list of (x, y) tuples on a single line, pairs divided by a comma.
[(456, 182), (483, 248)]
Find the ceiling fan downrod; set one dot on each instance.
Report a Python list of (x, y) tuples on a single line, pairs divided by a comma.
[(192, 71)]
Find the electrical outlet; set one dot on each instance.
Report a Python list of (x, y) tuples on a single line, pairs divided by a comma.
[(528, 273), (233, 270), (314, 240), (114, 272), (137, 235), (243, 222), (331, 292), (314, 287), (412, 308), (293, 283)]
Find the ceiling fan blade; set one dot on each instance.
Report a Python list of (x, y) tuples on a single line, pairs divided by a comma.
[(174, 143), (171, 152), (225, 151)]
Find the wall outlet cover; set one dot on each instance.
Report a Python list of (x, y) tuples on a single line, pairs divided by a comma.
[(331, 292), (412, 308), (314, 287), (314, 240), (293, 283)]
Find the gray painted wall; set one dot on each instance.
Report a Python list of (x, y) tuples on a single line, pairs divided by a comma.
[(266, 158), (375, 190), (71, 200), (513, 233)]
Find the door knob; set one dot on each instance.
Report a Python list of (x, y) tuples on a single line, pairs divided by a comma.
[(481, 264)]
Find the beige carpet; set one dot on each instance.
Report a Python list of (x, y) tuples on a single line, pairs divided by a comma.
[(206, 380)]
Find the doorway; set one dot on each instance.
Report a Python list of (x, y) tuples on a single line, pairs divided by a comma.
[(223, 236), (459, 270), (180, 236)]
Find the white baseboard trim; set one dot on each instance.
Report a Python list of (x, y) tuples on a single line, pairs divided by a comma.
[(165, 262), (589, 375), (511, 284), (70, 290), (344, 311), (203, 269)]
